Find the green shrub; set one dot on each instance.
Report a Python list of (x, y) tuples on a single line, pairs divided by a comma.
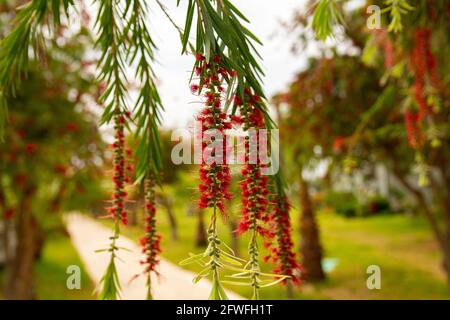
[(344, 203)]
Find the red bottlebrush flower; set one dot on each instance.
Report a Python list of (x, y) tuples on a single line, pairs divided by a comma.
[(21, 133), (60, 168), (232, 73), (419, 54), (199, 57), (430, 60), (194, 88), (420, 99), (101, 88), (282, 251), (9, 213), (253, 183), (72, 127), (237, 101), (214, 173), (119, 177), (254, 204), (338, 144), (388, 54), (20, 179), (413, 130), (31, 148), (236, 120), (198, 71), (423, 65)]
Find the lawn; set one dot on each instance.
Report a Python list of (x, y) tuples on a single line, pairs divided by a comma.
[(401, 246), (51, 269)]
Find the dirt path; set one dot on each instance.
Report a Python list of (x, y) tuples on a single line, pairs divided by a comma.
[(174, 283)]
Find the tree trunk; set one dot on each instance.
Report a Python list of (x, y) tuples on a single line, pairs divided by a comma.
[(311, 249), (6, 229), (133, 213), (167, 204), (200, 238), (20, 271)]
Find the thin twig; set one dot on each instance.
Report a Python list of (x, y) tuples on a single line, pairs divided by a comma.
[(164, 9)]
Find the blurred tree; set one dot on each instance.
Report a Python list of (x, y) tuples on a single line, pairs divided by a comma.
[(51, 157), (386, 100), (319, 112)]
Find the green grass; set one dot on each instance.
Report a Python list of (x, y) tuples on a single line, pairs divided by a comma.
[(51, 269), (402, 246)]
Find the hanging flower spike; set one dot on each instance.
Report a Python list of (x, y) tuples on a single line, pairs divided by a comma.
[(388, 53), (423, 65), (413, 129), (282, 252), (430, 59), (420, 98), (254, 184), (254, 189), (214, 174), (151, 241), (110, 283), (117, 210), (419, 70)]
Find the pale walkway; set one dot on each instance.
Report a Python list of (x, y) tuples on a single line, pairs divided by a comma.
[(174, 283)]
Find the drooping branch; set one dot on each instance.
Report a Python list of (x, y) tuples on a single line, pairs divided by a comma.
[(14, 48), (111, 40), (420, 198)]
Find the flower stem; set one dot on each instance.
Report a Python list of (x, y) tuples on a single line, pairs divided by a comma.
[(217, 292), (253, 253)]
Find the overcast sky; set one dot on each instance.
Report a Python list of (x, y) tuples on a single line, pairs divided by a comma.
[(173, 70)]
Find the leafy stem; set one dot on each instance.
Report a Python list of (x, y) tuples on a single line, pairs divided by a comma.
[(217, 256), (14, 48), (110, 280)]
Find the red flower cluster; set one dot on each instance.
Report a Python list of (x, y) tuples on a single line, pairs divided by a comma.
[(9, 213), (283, 252), (338, 144), (151, 241), (31, 148), (254, 201), (214, 173), (117, 210), (423, 64), (388, 53), (413, 129), (420, 98), (254, 184), (423, 51)]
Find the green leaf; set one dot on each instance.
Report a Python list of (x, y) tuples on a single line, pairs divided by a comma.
[(236, 283), (188, 24), (193, 258), (272, 282)]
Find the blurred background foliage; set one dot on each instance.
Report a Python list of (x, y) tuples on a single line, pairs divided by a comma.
[(51, 162)]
